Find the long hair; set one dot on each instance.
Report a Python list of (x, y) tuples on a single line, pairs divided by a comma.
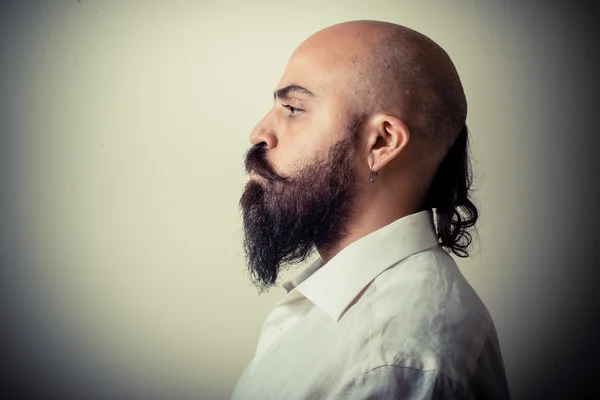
[(449, 193)]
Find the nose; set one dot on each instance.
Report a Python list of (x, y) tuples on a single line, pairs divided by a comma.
[(264, 132)]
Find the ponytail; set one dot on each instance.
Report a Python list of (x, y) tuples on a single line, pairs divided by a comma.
[(449, 193)]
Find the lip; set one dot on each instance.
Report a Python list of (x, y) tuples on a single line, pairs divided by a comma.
[(255, 176)]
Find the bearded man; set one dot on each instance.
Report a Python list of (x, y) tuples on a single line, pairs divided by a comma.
[(366, 137)]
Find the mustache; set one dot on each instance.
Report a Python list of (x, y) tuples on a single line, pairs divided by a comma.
[(256, 159)]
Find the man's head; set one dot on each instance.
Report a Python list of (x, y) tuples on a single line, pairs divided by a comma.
[(356, 97)]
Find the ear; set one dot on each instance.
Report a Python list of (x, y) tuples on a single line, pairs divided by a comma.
[(387, 136)]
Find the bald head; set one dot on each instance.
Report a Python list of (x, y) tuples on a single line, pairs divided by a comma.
[(393, 69)]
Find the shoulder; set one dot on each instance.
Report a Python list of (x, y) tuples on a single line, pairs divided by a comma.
[(429, 283), (427, 317)]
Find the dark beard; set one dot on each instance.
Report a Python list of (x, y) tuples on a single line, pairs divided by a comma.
[(286, 218)]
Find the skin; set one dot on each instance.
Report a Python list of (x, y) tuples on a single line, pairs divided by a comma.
[(331, 65)]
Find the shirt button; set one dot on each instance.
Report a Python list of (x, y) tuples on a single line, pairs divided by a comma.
[(278, 332)]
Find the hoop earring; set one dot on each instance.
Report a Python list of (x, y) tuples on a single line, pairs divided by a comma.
[(371, 179)]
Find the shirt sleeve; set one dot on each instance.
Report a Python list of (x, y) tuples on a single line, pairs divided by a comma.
[(394, 382), (490, 380)]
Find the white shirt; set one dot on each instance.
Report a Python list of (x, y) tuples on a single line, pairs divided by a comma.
[(389, 317)]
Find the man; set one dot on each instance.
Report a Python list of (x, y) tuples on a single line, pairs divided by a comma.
[(366, 136)]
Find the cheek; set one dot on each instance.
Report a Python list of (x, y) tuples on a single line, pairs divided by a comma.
[(300, 151), (310, 139), (294, 158)]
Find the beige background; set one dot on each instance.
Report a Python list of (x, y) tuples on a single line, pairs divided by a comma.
[(124, 125)]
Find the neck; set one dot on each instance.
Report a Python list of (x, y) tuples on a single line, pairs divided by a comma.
[(372, 214)]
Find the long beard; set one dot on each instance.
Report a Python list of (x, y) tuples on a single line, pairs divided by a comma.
[(285, 219)]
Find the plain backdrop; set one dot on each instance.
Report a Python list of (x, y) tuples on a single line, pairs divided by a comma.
[(124, 126)]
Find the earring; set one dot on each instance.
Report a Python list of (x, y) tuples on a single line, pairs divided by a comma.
[(371, 178)]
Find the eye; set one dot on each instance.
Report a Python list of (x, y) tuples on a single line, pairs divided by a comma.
[(293, 110)]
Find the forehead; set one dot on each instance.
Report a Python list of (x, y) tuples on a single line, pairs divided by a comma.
[(324, 70)]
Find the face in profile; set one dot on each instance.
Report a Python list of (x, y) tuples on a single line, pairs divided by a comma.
[(285, 218), (303, 163)]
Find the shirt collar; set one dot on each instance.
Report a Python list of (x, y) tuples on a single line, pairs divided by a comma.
[(333, 285)]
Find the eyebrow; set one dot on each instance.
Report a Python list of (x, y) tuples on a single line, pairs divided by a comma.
[(285, 92)]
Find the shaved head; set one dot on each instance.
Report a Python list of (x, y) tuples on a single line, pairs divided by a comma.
[(394, 69)]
